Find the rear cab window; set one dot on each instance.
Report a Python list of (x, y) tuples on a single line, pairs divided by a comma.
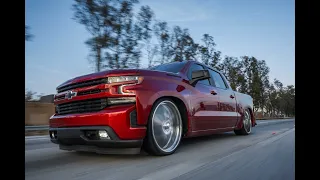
[(218, 79)]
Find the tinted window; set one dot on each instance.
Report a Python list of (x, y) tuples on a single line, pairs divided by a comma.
[(173, 67), (196, 67), (218, 81)]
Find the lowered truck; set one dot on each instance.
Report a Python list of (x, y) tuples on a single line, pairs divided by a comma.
[(122, 111)]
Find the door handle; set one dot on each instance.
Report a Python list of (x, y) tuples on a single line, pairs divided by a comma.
[(231, 96), (213, 92)]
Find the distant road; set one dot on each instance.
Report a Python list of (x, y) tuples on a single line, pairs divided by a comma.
[(268, 153)]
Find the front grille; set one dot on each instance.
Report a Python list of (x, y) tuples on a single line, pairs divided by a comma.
[(82, 84), (95, 91), (84, 106), (81, 93)]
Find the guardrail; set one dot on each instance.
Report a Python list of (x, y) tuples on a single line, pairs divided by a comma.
[(37, 128)]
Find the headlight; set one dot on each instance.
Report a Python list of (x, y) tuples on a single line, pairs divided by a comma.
[(117, 79)]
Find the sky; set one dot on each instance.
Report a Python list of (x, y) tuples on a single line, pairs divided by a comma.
[(264, 29)]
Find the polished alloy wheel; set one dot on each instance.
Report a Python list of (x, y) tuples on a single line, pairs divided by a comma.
[(247, 122), (166, 126)]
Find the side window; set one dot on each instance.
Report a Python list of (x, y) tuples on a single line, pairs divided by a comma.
[(196, 67), (218, 81)]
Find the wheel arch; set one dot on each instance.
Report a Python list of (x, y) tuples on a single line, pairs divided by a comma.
[(239, 123), (183, 111), (253, 120)]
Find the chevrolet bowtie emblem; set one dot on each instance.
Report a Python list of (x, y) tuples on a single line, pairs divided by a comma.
[(70, 94)]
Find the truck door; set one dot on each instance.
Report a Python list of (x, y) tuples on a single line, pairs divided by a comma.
[(204, 102), (227, 101)]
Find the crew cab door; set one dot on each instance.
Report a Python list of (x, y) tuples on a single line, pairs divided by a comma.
[(204, 102), (227, 100)]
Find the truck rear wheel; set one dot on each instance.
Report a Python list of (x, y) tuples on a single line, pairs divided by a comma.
[(164, 130), (247, 124)]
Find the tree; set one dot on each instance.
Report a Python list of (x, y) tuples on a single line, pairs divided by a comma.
[(93, 14), (28, 36), (255, 80), (140, 36), (278, 84), (124, 52), (96, 44), (281, 100), (145, 17), (152, 51), (29, 95), (231, 67), (163, 48), (215, 60), (263, 83), (183, 46), (207, 51), (117, 34), (290, 101)]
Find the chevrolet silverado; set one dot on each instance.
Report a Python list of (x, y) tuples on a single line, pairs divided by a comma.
[(122, 110)]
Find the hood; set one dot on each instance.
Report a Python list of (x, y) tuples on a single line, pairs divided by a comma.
[(99, 75)]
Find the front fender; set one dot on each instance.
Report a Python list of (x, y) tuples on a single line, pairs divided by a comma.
[(154, 88)]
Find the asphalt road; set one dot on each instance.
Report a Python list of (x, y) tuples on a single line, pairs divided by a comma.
[(268, 153)]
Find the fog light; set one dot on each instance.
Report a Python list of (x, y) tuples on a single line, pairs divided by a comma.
[(103, 134)]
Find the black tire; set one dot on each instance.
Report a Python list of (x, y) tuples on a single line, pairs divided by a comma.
[(245, 130), (150, 144)]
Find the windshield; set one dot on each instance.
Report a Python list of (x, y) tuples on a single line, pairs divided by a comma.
[(173, 67)]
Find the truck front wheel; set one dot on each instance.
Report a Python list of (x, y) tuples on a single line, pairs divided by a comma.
[(164, 130)]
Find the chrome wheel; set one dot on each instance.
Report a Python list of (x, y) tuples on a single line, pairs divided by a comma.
[(166, 126), (247, 122)]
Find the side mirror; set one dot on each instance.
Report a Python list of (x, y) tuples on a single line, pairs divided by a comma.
[(198, 76)]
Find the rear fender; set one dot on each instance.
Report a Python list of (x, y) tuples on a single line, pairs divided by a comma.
[(241, 111)]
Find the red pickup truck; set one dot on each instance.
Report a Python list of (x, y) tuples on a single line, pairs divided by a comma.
[(120, 111)]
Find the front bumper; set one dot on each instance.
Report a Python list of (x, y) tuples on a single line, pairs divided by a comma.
[(77, 138), (119, 119)]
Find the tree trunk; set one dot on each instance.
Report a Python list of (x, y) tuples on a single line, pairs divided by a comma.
[(98, 60)]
